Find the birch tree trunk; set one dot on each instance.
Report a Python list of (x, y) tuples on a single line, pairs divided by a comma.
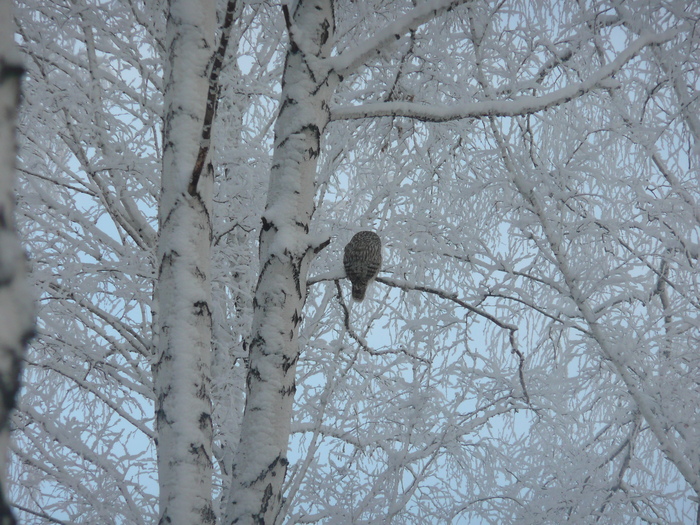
[(16, 317), (260, 463), (183, 296)]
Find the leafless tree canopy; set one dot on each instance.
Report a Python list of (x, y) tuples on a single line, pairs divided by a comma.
[(529, 352)]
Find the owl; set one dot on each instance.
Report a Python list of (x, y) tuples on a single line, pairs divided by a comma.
[(362, 260)]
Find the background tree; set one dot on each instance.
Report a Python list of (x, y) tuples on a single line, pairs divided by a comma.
[(529, 352)]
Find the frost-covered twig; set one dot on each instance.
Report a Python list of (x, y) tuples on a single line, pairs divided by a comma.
[(350, 60), (42, 515), (503, 108), (449, 296), (346, 320), (128, 333), (360, 340), (647, 405), (512, 329)]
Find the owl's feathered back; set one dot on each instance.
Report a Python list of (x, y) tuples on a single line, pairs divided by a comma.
[(362, 261)]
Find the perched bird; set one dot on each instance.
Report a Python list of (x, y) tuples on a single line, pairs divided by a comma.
[(362, 260)]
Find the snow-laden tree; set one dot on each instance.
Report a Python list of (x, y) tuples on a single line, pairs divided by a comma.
[(528, 353)]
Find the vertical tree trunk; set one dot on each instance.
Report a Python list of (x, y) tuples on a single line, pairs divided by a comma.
[(260, 463), (182, 318), (16, 315)]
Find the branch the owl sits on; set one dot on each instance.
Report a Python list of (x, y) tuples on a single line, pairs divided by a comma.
[(362, 261)]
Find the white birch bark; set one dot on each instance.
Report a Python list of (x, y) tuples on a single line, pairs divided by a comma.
[(16, 315), (260, 463), (183, 296)]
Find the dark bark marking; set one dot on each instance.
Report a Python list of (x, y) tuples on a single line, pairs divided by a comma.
[(202, 391), (271, 467), (284, 141), (315, 132), (296, 271), (326, 108), (259, 518), (208, 515), (325, 30), (161, 416), (204, 420), (288, 101), (287, 363), (258, 340), (10, 389), (8, 280), (289, 391), (167, 260), (288, 23), (253, 375), (199, 274), (200, 452), (321, 246), (11, 72), (201, 308), (164, 357)]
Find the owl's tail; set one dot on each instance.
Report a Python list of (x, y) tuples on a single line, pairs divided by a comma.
[(358, 291)]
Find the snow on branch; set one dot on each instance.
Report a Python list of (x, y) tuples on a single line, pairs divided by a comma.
[(512, 329), (450, 296), (361, 340), (135, 341), (348, 61), (504, 108)]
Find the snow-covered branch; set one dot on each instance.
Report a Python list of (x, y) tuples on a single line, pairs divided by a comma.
[(512, 329), (348, 61), (648, 405), (449, 296), (603, 78)]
